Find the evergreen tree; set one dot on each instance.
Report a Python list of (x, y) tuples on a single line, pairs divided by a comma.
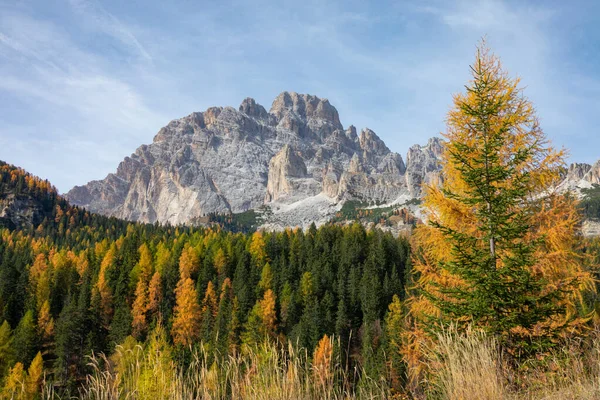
[(6, 349), (497, 233), (25, 339)]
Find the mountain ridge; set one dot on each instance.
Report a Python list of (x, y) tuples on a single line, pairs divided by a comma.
[(224, 160), (296, 161)]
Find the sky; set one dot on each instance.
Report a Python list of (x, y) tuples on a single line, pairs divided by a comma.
[(83, 83)]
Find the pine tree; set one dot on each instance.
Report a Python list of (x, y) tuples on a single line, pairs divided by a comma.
[(25, 339), (497, 233), (261, 325), (209, 312)]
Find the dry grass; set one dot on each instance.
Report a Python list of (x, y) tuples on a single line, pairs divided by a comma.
[(470, 367), (269, 372), (464, 367)]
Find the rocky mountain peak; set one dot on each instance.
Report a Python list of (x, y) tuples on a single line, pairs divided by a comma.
[(252, 109), (351, 133), (305, 106), (356, 165), (371, 143), (577, 171)]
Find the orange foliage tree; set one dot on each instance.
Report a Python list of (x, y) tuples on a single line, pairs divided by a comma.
[(498, 250)]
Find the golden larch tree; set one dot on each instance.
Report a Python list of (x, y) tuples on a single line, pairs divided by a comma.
[(155, 294), (186, 319), (498, 249)]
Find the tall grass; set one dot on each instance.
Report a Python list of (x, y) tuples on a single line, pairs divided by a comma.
[(267, 372), (470, 366), (465, 366)]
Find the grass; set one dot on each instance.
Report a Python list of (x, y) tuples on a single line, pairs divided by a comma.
[(268, 372), (467, 366), (471, 366)]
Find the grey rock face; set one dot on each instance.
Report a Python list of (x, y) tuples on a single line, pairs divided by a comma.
[(423, 165), (288, 176), (228, 160), (580, 176), (19, 212)]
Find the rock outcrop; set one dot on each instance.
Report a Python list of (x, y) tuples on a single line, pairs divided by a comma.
[(231, 160), (20, 212)]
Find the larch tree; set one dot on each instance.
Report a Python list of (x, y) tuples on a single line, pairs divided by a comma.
[(189, 261), (498, 249), (139, 322), (35, 376), (14, 386), (45, 324), (140, 307), (103, 289), (323, 362), (155, 294), (186, 318)]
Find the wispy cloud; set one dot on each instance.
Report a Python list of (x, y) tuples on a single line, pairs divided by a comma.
[(100, 19), (85, 82)]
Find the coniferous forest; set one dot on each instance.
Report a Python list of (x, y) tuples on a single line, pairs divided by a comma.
[(493, 296)]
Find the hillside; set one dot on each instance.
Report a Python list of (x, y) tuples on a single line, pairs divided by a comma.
[(73, 283)]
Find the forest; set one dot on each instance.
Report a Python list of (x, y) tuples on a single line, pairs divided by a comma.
[(493, 296), (80, 284)]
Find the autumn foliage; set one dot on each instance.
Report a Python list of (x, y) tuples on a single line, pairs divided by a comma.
[(498, 250)]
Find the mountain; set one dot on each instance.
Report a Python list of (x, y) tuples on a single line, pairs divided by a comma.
[(296, 163), (293, 165)]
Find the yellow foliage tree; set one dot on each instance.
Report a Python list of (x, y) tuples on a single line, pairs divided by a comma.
[(257, 249), (268, 314), (189, 261), (210, 300), (45, 322), (102, 287), (140, 307), (15, 383), (186, 319), (220, 261), (35, 376), (322, 362), (155, 294), (495, 218)]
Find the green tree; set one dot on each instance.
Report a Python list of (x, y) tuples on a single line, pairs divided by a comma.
[(6, 348), (25, 339)]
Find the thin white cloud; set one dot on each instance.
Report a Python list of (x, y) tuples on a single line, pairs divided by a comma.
[(109, 24)]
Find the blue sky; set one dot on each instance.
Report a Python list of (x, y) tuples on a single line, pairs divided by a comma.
[(83, 83)]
